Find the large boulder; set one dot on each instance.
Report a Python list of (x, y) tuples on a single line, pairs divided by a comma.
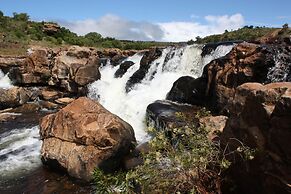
[(7, 62), (51, 28), (74, 68), (167, 115), (188, 90), (35, 69), (83, 136), (260, 118), (69, 68), (245, 63)]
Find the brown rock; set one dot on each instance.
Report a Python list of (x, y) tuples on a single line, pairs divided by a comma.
[(214, 124), (65, 100), (35, 69), (245, 63), (6, 62), (83, 136), (50, 94), (261, 119), (69, 68), (13, 97), (48, 105), (75, 67), (51, 28)]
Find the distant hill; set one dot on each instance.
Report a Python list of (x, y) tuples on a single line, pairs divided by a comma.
[(18, 32), (247, 33)]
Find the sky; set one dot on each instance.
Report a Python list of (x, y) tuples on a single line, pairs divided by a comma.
[(160, 20)]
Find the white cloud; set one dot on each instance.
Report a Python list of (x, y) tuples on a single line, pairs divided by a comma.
[(120, 28), (117, 27), (182, 31)]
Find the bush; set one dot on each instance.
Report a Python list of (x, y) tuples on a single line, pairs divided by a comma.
[(184, 155), (188, 157), (21, 16)]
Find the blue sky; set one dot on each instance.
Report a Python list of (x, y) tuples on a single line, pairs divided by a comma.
[(168, 20)]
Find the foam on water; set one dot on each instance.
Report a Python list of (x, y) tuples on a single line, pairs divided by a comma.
[(164, 71), (5, 82), (19, 151)]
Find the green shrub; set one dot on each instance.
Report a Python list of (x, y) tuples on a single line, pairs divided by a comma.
[(188, 157), (180, 160)]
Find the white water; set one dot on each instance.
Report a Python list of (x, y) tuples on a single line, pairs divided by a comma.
[(5, 81), (19, 151), (279, 73), (131, 106)]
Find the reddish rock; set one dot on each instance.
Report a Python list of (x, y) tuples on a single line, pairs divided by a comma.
[(74, 68), (245, 63), (261, 119), (214, 125), (13, 97), (51, 28), (83, 136)]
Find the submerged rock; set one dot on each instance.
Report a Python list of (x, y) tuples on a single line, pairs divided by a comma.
[(123, 68), (83, 136)]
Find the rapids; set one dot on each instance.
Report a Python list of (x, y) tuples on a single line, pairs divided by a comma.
[(164, 71)]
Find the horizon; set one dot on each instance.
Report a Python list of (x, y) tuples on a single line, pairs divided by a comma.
[(153, 21)]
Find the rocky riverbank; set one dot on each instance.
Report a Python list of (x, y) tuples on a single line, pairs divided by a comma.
[(247, 91)]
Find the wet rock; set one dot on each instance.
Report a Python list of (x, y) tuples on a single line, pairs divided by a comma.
[(210, 47), (188, 90), (145, 64), (168, 115), (83, 136), (123, 68), (24, 116)]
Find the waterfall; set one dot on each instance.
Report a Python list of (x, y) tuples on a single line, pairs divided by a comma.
[(164, 71), (281, 71), (5, 82)]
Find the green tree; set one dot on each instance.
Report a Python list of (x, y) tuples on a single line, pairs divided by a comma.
[(20, 16), (285, 26), (94, 36)]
